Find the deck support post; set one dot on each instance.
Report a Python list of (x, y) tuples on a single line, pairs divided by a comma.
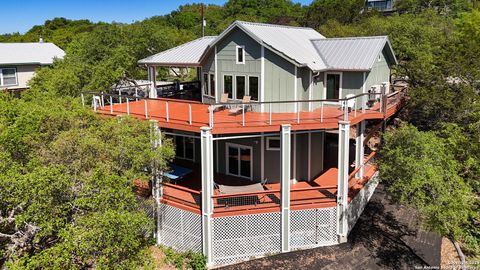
[(342, 194), (360, 149), (206, 140), (285, 137), (157, 178), (152, 72)]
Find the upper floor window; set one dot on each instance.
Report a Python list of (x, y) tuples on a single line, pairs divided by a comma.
[(212, 85), (228, 85), (205, 83), (240, 55), (8, 76), (253, 87)]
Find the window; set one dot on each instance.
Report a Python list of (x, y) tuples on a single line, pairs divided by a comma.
[(228, 85), (184, 147), (240, 55), (205, 83), (239, 160), (253, 87), (212, 85), (8, 76), (333, 86), (273, 143), (240, 87)]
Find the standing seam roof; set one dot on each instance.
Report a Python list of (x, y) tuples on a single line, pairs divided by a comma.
[(29, 53)]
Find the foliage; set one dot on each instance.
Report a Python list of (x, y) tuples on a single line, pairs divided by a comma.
[(191, 260)]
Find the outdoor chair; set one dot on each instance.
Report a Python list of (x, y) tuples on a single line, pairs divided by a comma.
[(97, 102), (350, 103), (240, 107), (223, 99)]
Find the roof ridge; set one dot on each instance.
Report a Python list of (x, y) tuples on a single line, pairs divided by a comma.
[(181, 45), (276, 25), (349, 38)]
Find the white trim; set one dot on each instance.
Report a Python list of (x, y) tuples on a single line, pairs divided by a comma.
[(364, 82), (310, 94), (262, 157), (294, 178), (248, 85), (309, 175), (210, 85), (340, 90), (234, 94), (239, 146), (243, 54), (223, 83), (295, 90), (273, 148), (216, 72), (262, 78), (1, 77), (217, 157), (207, 86)]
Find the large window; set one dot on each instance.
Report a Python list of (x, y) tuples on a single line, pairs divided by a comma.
[(8, 76), (184, 147), (205, 83), (240, 55), (239, 160), (240, 87), (273, 143), (253, 87), (228, 85), (212, 85), (333, 86)]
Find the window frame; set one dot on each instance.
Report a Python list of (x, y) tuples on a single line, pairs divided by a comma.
[(235, 91), (2, 78), (206, 84), (239, 147), (211, 86), (243, 54), (258, 87), (233, 84), (184, 156), (340, 86), (273, 148)]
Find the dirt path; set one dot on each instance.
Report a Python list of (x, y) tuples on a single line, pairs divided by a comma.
[(387, 236)]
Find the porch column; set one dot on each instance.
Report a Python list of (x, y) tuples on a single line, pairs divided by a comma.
[(360, 149), (157, 178), (285, 137), (207, 191), (342, 193), (152, 75)]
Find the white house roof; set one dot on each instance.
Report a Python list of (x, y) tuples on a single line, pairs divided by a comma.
[(29, 53), (354, 53), (289, 41), (188, 54)]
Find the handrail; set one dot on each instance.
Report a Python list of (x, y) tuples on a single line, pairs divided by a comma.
[(253, 193), (147, 98), (369, 157), (181, 188)]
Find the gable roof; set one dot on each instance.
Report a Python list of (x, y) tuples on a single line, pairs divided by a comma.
[(188, 54), (289, 41), (353, 53), (29, 53)]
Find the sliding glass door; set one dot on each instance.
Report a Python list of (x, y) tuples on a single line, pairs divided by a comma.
[(239, 160)]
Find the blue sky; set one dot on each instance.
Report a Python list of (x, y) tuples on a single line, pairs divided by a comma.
[(20, 16)]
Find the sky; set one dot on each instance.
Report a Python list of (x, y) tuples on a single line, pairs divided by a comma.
[(21, 15)]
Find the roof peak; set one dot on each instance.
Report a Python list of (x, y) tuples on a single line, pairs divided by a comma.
[(275, 25), (351, 38)]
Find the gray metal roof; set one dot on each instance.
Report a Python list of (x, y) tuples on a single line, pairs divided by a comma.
[(354, 53), (188, 54), (29, 53), (289, 41)]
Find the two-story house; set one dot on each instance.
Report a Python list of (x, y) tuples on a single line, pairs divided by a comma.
[(272, 158)]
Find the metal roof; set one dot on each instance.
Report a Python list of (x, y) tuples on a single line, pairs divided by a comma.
[(289, 41), (354, 53), (188, 54), (29, 53)]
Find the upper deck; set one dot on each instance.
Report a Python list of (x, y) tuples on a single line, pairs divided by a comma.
[(191, 115)]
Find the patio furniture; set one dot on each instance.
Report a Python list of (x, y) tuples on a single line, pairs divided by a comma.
[(240, 107), (350, 103), (242, 199), (240, 189), (177, 172), (223, 99)]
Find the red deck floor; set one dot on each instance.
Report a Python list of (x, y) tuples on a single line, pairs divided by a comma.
[(225, 122)]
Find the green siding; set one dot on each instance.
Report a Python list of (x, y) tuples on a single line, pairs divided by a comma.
[(279, 81), (380, 72), (352, 83), (303, 83)]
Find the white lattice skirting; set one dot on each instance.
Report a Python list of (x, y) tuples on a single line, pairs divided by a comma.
[(357, 205), (180, 229), (313, 227)]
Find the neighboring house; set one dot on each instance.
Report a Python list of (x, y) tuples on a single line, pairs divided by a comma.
[(289, 169), (18, 62), (381, 5)]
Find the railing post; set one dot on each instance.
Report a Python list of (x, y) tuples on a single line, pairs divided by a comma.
[(83, 100), (342, 193), (210, 118), (364, 103), (285, 138), (136, 94), (167, 116), (206, 141), (270, 113), (345, 110), (94, 104), (102, 103), (243, 115), (190, 114), (120, 96), (146, 108), (360, 149), (321, 112), (128, 106), (111, 105), (383, 98)]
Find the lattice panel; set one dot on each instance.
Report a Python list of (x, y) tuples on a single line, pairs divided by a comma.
[(180, 229), (358, 204), (239, 238), (313, 227)]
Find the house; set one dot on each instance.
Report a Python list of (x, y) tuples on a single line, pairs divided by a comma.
[(274, 155), (381, 5), (18, 62)]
